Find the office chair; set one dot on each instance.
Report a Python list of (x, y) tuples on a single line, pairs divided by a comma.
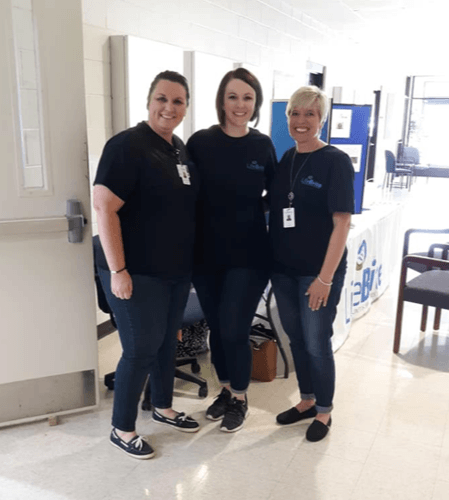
[(269, 300), (192, 314)]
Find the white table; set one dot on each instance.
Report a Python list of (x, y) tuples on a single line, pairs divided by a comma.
[(374, 244)]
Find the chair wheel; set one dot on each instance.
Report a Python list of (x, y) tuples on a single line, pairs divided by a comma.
[(203, 392), (146, 405), (109, 381), (196, 368)]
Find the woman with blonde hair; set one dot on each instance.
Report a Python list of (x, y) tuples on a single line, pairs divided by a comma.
[(312, 199)]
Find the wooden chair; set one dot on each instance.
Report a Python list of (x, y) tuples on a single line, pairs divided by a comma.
[(430, 288)]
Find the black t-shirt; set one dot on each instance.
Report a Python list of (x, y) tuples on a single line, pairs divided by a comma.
[(324, 185), (234, 172), (158, 217)]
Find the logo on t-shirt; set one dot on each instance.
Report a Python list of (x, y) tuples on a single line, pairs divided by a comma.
[(255, 166), (308, 181)]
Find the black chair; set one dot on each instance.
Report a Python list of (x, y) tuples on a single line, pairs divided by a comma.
[(393, 171), (430, 288), (192, 314)]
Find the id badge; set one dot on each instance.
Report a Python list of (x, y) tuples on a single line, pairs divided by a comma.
[(183, 172), (289, 217)]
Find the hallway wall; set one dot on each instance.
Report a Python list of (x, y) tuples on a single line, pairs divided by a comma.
[(269, 34)]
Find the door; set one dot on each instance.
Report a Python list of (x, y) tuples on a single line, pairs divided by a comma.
[(373, 138), (48, 355)]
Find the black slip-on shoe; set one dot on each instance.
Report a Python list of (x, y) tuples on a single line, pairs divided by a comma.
[(293, 415), (136, 448), (317, 430), (217, 409), (182, 422)]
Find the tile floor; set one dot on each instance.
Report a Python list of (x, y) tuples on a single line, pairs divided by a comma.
[(389, 439)]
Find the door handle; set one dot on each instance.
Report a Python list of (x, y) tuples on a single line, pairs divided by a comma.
[(76, 221)]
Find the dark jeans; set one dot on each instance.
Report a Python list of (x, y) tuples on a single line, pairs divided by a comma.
[(310, 334), (147, 325), (229, 299)]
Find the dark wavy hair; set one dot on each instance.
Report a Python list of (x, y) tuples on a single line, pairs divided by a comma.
[(171, 76), (247, 77)]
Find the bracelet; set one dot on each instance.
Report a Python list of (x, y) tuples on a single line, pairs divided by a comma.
[(322, 282), (119, 271)]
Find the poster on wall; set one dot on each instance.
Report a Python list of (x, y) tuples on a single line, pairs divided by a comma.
[(341, 123), (354, 151)]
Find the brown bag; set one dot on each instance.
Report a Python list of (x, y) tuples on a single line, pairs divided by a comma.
[(264, 360)]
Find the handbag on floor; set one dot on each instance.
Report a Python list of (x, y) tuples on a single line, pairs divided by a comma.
[(265, 352), (194, 340)]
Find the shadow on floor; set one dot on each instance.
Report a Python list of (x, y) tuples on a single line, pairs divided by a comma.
[(431, 352)]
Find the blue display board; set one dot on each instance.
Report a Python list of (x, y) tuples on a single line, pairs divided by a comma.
[(350, 122)]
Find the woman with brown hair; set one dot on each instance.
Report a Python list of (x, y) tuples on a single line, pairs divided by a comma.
[(236, 164)]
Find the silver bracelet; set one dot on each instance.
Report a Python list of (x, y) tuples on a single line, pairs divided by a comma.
[(322, 282), (119, 271)]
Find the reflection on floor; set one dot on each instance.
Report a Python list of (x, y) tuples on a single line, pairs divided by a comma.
[(389, 439)]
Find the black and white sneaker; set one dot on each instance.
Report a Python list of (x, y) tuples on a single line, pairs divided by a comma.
[(235, 415), (136, 448), (217, 409), (181, 422)]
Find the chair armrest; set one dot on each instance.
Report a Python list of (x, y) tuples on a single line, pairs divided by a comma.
[(409, 232), (429, 262), (444, 247)]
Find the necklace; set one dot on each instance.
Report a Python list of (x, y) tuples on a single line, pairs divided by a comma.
[(291, 195)]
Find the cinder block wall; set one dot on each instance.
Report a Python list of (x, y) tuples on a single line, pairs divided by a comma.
[(271, 34)]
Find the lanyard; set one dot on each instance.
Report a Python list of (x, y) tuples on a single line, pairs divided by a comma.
[(291, 195)]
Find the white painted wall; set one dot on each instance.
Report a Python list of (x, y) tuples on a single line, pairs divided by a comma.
[(261, 34)]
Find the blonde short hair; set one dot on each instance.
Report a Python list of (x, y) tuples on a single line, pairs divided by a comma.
[(305, 97)]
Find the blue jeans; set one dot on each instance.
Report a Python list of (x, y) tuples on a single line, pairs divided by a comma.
[(310, 334), (147, 325), (229, 299)]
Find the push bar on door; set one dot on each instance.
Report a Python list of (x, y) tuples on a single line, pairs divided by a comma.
[(74, 221)]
